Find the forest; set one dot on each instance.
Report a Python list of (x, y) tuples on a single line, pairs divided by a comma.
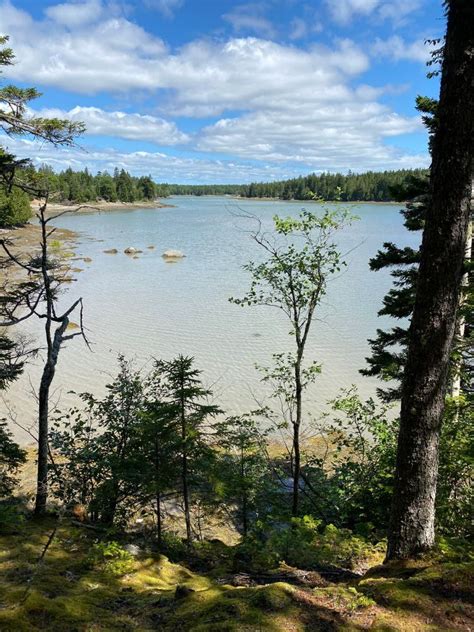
[(79, 187), (372, 186), (155, 508)]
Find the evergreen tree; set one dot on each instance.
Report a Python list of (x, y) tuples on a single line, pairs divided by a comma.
[(186, 405), (438, 292), (243, 466)]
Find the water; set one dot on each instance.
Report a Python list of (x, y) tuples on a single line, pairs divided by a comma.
[(148, 308)]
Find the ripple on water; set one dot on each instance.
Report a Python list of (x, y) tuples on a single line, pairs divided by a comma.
[(146, 308)]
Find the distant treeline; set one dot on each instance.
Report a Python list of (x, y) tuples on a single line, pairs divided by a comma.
[(353, 187), (82, 186)]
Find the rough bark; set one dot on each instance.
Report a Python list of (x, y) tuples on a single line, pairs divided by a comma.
[(43, 416), (438, 294)]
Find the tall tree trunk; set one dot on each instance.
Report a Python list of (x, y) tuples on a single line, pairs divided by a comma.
[(43, 416), (438, 294), (461, 323), (296, 435), (187, 505), (159, 530), (244, 494)]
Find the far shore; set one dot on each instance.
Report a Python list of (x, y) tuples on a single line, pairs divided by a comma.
[(55, 208), (293, 201)]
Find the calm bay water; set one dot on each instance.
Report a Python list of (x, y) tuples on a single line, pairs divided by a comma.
[(146, 307)]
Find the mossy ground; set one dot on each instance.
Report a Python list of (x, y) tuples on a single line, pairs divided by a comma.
[(69, 591)]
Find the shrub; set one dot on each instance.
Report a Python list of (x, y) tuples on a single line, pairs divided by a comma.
[(15, 207), (307, 543), (11, 458), (111, 557)]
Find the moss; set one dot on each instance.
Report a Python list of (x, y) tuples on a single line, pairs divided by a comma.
[(274, 597), (228, 608), (67, 593), (159, 573), (349, 599)]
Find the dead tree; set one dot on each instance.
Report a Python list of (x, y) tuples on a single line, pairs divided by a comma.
[(38, 297)]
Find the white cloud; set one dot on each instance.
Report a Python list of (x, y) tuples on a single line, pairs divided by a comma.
[(166, 7), (302, 106), (250, 18), (398, 49), (162, 167), (108, 54), (330, 136), (250, 73), (131, 126), (74, 14), (300, 28), (343, 11)]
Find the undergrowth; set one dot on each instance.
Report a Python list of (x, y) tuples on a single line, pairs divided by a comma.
[(87, 583)]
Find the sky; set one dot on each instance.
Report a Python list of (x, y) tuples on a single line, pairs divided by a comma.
[(216, 91)]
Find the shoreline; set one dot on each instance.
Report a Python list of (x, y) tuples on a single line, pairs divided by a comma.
[(98, 207), (321, 202), (292, 201)]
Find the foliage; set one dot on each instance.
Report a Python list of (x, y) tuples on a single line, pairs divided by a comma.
[(15, 118), (144, 440), (352, 487), (388, 348), (357, 481), (185, 400), (102, 463), (11, 361), (244, 472), (306, 543), (111, 557), (301, 257), (351, 187), (11, 519), (455, 495), (82, 186), (11, 458), (15, 207)]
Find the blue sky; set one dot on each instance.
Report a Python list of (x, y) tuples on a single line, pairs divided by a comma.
[(203, 91)]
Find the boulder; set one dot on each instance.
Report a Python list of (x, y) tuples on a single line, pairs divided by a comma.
[(173, 254), (132, 251), (133, 549), (111, 251)]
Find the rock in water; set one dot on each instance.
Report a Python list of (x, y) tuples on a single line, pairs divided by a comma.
[(173, 254), (132, 251)]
